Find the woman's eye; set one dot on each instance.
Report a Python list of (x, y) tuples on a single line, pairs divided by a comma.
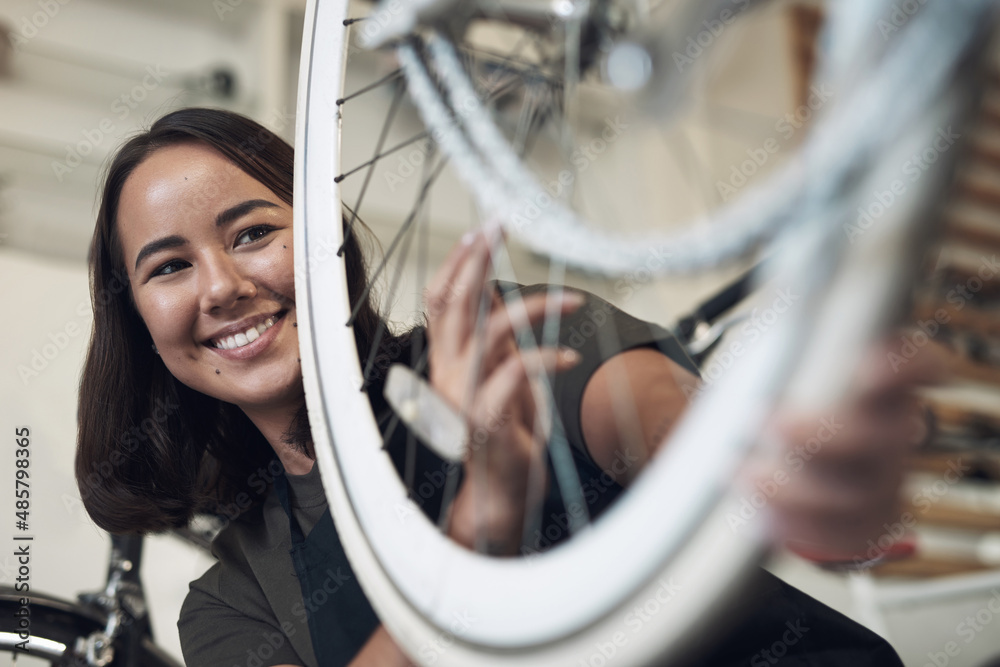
[(170, 267), (253, 234)]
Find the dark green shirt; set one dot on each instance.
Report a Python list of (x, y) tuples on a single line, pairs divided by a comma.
[(248, 607)]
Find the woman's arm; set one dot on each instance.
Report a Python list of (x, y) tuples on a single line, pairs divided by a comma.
[(630, 405), (380, 651), (831, 500)]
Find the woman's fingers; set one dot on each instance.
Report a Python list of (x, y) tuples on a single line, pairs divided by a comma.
[(500, 389), (470, 288), (889, 367), (836, 477), (438, 291), (838, 519), (454, 298), (509, 318)]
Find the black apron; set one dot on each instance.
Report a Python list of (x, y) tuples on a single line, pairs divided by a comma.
[(340, 617)]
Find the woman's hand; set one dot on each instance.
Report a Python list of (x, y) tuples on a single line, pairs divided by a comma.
[(831, 482), (475, 365), (834, 484)]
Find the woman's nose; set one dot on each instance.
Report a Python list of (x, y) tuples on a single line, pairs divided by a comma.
[(223, 284)]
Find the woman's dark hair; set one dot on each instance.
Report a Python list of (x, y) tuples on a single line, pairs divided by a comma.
[(152, 451)]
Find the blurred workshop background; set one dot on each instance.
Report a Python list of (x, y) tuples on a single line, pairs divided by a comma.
[(79, 76)]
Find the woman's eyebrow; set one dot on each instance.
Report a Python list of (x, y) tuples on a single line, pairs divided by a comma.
[(240, 210), (158, 245)]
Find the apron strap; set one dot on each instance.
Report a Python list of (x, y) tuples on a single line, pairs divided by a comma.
[(339, 615)]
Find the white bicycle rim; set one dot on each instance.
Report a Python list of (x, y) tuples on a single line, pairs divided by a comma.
[(666, 547)]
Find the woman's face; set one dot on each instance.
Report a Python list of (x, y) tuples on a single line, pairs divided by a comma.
[(208, 250)]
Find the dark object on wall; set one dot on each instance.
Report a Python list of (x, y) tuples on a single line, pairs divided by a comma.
[(6, 51), (223, 83), (806, 23), (217, 82)]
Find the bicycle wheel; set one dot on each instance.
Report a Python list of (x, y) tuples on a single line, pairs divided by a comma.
[(56, 627), (531, 611)]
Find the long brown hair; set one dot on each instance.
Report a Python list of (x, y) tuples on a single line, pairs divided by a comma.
[(150, 450)]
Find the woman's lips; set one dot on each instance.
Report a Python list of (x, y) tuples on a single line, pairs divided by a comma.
[(251, 345), (248, 335)]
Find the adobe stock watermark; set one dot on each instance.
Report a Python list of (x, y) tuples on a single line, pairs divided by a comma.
[(958, 296), (923, 500), (225, 7), (258, 482), (321, 250), (460, 624), (760, 321), (634, 621), (28, 27), (595, 316), (53, 344), (558, 525), (252, 145), (698, 44), (913, 169), (435, 480), (274, 640), (407, 165), (630, 283), (332, 584), (527, 210), (277, 120), (795, 460), (899, 16), (378, 20), (121, 108), (785, 128), (138, 435), (131, 439), (779, 648), (968, 629)]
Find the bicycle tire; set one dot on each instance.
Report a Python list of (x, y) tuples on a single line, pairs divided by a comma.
[(55, 627), (400, 566)]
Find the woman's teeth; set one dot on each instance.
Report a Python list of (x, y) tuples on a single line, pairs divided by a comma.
[(245, 338)]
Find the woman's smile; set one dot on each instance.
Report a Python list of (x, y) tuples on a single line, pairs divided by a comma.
[(248, 338)]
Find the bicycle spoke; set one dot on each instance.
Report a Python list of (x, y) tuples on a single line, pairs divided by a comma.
[(406, 237), (567, 477), (478, 337), (418, 353), (748, 122), (372, 86), (527, 118), (386, 125), (417, 137), (395, 242)]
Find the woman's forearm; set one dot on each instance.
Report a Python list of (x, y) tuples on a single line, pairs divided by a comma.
[(381, 650), (629, 406)]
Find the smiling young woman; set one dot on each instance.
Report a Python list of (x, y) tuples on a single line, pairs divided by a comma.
[(192, 399), (193, 241)]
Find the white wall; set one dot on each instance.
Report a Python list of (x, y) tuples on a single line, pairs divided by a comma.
[(40, 361), (87, 73)]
